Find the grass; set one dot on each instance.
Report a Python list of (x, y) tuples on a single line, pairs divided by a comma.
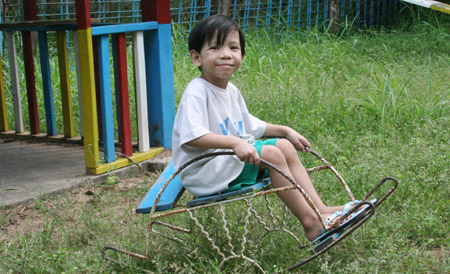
[(373, 103)]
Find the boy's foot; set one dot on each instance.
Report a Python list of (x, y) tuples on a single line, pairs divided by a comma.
[(347, 207), (317, 230), (330, 221)]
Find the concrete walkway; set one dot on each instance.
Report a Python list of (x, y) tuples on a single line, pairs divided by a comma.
[(30, 170)]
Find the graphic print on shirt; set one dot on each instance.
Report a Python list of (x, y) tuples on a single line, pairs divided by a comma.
[(238, 125)]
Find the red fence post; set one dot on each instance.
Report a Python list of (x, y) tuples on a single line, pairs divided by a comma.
[(30, 14)]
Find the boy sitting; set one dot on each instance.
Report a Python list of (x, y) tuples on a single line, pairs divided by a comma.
[(212, 116)]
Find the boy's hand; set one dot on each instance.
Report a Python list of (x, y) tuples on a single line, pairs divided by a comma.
[(246, 152), (297, 140)]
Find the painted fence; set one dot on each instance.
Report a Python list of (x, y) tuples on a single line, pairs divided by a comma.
[(274, 15), (153, 74)]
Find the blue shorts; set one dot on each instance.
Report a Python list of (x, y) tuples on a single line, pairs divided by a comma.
[(251, 174)]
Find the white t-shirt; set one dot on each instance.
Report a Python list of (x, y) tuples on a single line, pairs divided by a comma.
[(206, 108)]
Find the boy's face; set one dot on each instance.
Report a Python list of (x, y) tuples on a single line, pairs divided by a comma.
[(219, 63)]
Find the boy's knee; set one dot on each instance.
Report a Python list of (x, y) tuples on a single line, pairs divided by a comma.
[(286, 147), (273, 154)]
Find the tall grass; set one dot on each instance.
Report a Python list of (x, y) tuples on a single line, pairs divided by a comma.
[(374, 103)]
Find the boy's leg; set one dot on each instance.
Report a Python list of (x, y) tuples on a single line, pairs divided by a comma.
[(301, 177), (293, 198)]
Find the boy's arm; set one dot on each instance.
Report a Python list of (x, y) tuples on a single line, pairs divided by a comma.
[(292, 135), (243, 150)]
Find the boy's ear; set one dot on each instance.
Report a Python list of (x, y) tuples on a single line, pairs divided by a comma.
[(195, 58)]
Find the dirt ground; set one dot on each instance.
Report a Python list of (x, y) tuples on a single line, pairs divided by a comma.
[(33, 215)]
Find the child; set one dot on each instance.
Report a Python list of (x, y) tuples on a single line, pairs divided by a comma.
[(212, 116)]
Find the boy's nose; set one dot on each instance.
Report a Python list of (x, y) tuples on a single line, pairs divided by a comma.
[(224, 54)]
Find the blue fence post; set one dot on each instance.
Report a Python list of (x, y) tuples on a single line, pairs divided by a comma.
[(279, 17), (180, 8), (308, 14), (234, 10), (299, 15), (193, 14), (106, 98), (257, 13), (47, 84), (207, 8), (269, 14), (372, 10), (358, 13), (350, 7), (246, 15), (290, 12), (159, 72), (317, 13)]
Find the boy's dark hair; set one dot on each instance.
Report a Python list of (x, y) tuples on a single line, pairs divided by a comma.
[(205, 29)]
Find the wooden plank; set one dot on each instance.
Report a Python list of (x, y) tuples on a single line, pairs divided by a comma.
[(141, 91), (169, 197), (105, 98), (15, 87), (124, 104), (132, 27), (122, 162), (77, 66), (66, 98), (47, 84), (3, 115), (160, 87), (31, 82)]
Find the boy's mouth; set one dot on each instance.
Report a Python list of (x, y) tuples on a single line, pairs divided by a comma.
[(225, 65)]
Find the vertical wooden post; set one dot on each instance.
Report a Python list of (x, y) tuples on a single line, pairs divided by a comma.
[(77, 65), (116, 85), (30, 14), (124, 103), (66, 98), (105, 98), (141, 91), (159, 69), (90, 130), (47, 84), (97, 86), (15, 87)]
